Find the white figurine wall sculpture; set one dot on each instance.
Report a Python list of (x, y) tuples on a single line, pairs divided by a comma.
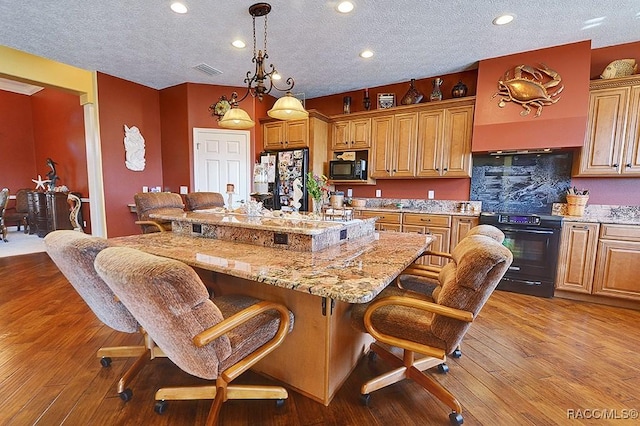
[(134, 148)]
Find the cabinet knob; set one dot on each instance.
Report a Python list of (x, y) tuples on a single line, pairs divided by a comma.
[(394, 170), (616, 165), (437, 169), (445, 169), (628, 165)]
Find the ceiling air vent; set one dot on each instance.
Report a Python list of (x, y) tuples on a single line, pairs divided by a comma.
[(207, 69)]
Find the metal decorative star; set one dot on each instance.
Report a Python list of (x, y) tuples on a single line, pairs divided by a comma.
[(40, 182)]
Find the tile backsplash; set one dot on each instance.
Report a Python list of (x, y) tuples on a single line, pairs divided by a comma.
[(523, 183)]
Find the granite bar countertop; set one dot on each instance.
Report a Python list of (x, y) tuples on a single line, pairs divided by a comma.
[(353, 272)]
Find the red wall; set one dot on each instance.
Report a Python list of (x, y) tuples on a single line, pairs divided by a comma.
[(18, 166), (123, 102)]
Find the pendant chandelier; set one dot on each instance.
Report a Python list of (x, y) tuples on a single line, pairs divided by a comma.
[(261, 83)]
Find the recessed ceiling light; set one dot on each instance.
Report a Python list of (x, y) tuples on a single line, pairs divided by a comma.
[(366, 54), (503, 19), (178, 7), (345, 7), (239, 44)]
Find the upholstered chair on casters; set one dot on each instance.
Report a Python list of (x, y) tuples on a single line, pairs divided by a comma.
[(74, 253), (215, 338), (203, 200), (424, 278), (432, 329), (148, 203)]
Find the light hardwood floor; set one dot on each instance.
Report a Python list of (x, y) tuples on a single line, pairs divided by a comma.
[(526, 361)]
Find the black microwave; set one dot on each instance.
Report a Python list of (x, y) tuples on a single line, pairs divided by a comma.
[(348, 170)]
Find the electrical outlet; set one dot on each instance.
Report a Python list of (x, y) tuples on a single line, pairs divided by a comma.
[(378, 193), (349, 192), (184, 189), (431, 194)]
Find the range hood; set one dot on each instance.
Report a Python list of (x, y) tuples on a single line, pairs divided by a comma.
[(560, 125)]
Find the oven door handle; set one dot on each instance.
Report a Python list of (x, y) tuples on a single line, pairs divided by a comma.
[(528, 231)]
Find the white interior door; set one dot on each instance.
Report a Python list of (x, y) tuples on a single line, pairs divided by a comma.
[(221, 157)]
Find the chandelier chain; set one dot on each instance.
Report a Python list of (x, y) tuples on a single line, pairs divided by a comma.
[(254, 37), (265, 35)]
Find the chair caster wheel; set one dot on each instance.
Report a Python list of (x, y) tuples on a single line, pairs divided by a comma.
[(126, 395), (456, 354), (365, 398), (455, 419), (105, 361), (279, 403), (160, 407), (443, 368)]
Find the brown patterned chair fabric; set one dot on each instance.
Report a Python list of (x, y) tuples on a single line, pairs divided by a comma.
[(4, 200), (148, 203), (416, 324), (212, 338), (203, 200), (19, 214), (424, 279), (74, 253)]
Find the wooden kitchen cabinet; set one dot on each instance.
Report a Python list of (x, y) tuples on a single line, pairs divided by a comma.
[(460, 225), (612, 141), (576, 262), (618, 262), (387, 221), (438, 226), (394, 146), (351, 134), (286, 134), (444, 142)]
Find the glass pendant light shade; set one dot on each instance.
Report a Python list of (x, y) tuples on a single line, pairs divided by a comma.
[(236, 118), (288, 108)]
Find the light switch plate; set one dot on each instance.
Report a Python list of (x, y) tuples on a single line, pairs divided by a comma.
[(431, 195), (349, 192), (184, 189), (378, 193)]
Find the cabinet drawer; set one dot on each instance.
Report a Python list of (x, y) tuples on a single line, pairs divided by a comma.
[(383, 217), (620, 232), (427, 219)]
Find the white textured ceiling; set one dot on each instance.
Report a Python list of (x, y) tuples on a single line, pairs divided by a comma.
[(145, 42)]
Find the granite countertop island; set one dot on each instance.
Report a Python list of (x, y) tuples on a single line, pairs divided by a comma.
[(354, 271)]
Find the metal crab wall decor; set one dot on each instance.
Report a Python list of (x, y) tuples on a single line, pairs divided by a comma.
[(532, 91)]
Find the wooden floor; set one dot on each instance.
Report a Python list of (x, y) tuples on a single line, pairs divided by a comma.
[(526, 360)]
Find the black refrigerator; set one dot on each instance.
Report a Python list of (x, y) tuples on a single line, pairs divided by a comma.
[(290, 191)]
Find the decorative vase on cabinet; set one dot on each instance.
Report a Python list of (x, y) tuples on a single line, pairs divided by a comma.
[(459, 90), (413, 95), (436, 94)]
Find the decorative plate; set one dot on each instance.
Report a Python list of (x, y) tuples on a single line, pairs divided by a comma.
[(220, 107)]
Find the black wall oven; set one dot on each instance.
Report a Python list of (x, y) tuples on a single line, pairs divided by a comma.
[(534, 241)]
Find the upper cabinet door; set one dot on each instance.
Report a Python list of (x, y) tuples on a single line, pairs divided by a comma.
[(430, 138), (297, 134), (340, 135), (405, 135), (360, 133), (456, 146), (382, 141), (602, 152), (631, 162), (273, 135)]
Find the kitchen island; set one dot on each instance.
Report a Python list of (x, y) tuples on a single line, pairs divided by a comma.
[(319, 287)]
